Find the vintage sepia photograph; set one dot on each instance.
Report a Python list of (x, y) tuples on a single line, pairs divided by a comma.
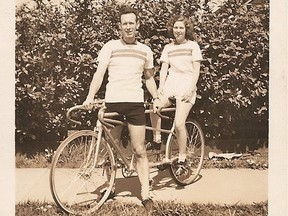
[(149, 107)]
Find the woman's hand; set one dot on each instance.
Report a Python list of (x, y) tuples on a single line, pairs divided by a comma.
[(188, 95)]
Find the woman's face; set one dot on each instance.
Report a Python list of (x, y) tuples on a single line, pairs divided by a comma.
[(179, 31)]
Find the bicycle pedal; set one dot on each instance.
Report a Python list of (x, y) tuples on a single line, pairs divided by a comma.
[(181, 171), (181, 167)]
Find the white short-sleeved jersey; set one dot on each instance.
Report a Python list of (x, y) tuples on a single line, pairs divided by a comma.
[(126, 63), (180, 58)]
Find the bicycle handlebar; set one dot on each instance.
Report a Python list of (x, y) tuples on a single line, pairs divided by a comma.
[(68, 114), (101, 117), (99, 104), (159, 110), (96, 104)]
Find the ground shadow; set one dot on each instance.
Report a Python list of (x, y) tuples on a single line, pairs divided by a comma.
[(128, 187), (164, 179)]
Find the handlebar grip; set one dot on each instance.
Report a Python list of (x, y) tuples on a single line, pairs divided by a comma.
[(68, 114), (97, 103)]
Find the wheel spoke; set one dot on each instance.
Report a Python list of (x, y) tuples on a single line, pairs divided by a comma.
[(194, 151), (77, 176)]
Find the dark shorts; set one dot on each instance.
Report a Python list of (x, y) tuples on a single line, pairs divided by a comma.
[(133, 112)]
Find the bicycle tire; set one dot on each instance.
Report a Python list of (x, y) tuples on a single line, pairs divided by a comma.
[(80, 185), (195, 154)]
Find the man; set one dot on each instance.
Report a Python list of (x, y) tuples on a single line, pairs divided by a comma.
[(127, 60)]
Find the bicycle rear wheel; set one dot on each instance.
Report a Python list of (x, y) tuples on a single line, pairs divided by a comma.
[(194, 151), (80, 180)]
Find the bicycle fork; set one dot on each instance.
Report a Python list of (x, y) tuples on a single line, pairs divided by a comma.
[(92, 154)]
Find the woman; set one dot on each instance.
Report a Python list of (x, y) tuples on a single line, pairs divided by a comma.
[(178, 78)]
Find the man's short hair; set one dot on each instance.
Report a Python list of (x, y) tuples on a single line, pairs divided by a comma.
[(126, 9)]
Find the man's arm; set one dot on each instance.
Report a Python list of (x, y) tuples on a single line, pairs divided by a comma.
[(151, 86), (95, 83), (163, 74), (150, 82)]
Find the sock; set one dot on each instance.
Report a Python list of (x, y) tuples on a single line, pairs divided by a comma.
[(157, 138), (145, 193), (182, 157)]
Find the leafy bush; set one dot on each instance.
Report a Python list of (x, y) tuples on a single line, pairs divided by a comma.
[(57, 47), (234, 84)]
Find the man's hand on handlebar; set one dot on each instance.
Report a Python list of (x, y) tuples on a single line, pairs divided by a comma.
[(156, 105), (90, 104)]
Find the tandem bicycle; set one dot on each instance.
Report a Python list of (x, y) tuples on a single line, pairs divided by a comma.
[(84, 166)]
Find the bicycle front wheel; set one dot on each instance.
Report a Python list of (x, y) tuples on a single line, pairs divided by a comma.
[(82, 173), (195, 154)]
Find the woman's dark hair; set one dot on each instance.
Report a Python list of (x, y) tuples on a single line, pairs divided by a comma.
[(188, 26), (125, 9)]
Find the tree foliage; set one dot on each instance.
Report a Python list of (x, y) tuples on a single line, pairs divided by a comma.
[(57, 48)]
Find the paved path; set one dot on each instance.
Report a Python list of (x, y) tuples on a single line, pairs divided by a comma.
[(216, 187)]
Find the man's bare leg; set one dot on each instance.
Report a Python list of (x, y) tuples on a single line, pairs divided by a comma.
[(137, 135)]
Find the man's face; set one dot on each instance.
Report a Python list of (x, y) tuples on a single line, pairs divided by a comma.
[(128, 26)]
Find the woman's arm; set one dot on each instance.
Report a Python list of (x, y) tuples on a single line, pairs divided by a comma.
[(195, 76)]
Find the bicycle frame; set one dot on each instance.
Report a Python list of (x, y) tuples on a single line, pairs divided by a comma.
[(104, 121), (100, 152)]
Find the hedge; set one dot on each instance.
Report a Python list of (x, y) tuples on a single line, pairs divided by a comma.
[(57, 47)]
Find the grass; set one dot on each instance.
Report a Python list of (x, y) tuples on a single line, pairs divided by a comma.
[(38, 160), (255, 160), (161, 209)]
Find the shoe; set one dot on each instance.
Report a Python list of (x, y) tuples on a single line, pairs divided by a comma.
[(153, 146), (148, 205), (181, 168), (110, 196)]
